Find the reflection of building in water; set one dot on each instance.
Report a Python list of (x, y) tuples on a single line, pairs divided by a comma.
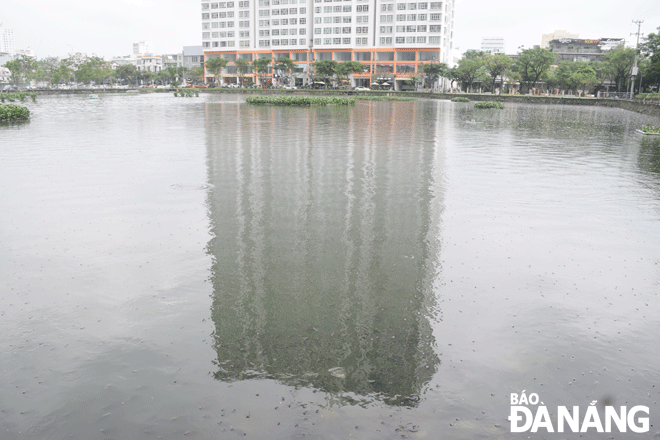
[(325, 249)]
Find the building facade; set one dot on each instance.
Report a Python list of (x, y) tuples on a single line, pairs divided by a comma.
[(143, 47), (149, 63), (7, 42), (547, 38), (572, 49), (388, 37), (493, 45)]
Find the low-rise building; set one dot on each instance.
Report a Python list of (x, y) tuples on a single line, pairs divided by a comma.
[(547, 38), (149, 63), (572, 49), (193, 56), (493, 45)]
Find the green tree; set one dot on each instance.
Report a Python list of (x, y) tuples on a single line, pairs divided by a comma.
[(325, 69), (583, 77), (260, 65), (497, 65), (532, 65), (127, 72), (215, 66), (433, 71), (22, 69), (470, 69), (651, 48), (346, 68), (619, 61), (197, 75), (242, 67)]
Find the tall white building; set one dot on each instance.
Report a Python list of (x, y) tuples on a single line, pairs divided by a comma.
[(389, 37), (143, 47), (7, 41), (492, 45)]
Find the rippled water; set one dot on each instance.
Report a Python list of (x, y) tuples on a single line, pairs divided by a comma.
[(201, 268)]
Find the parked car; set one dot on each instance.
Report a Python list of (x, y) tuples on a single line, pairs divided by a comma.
[(290, 87), (361, 89)]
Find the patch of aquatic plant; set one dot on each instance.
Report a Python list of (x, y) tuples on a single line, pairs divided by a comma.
[(648, 95), (300, 100), (489, 104), (385, 98), (186, 92), (648, 128), (11, 112), (19, 96), (460, 99)]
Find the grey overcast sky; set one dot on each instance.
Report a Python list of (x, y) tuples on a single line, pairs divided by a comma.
[(108, 28)]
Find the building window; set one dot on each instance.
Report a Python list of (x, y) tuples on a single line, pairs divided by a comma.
[(206, 35), (327, 9), (436, 5), (230, 4), (421, 40), (435, 17), (411, 28), (346, 19), (275, 42), (336, 30), (303, 21), (385, 40), (337, 9), (303, 10), (362, 8), (346, 8), (410, 39), (401, 17), (346, 41), (386, 29), (434, 40), (327, 41), (362, 19), (346, 30), (206, 25), (400, 40), (386, 19), (435, 28), (205, 16), (327, 30), (302, 31), (361, 40), (206, 44), (205, 6), (336, 41), (294, 21), (421, 17), (421, 28)]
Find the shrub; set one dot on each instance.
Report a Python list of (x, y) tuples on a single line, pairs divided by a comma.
[(489, 104), (460, 99), (11, 112), (300, 100)]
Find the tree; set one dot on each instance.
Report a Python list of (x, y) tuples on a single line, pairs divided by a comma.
[(471, 68), (433, 71), (346, 68), (651, 49), (284, 64), (127, 72), (533, 64), (325, 69), (22, 69), (260, 65), (242, 67), (619, 61), (497, 65), (197, 74), (215, 66)]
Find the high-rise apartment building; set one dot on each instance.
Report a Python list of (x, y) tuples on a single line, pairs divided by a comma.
[(389, 37), (7, 42)]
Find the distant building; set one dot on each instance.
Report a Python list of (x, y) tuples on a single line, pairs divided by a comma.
[(149, 63), (547, 38), (5, 75), (172, 60), (492, 45), (122, 61), (7, 41), (572, 49), (143, 47), (27, 52), (193, 56)]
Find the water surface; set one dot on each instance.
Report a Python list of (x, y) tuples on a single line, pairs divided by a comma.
[(202, 268)]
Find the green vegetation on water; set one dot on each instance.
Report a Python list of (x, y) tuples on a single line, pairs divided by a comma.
[(11, 112), (648, 95), (20, 96), (186, 92), (489, 104), (460, 99), (648, 128), (300, 100), (385, 98)]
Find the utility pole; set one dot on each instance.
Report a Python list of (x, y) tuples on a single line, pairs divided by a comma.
[(635, 70)]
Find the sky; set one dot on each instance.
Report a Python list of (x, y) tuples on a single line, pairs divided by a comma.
[(109, 28)]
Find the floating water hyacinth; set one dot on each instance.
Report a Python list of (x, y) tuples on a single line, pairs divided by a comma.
[(489, 104), (11, 112), (300, 100), (460, 99)]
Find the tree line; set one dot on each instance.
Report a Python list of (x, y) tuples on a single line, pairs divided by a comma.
[(96, 70), (532, 68)]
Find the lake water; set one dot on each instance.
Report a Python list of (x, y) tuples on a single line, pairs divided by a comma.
[(203, 268)]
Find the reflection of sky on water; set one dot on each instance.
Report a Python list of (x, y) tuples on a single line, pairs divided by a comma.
[(325, 224)]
